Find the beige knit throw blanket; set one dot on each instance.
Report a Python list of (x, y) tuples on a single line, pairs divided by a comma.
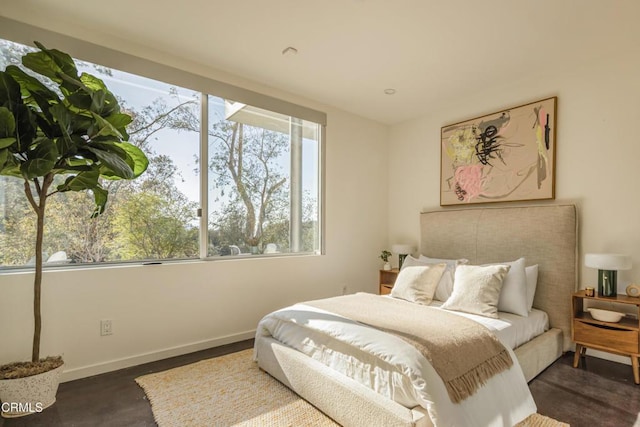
[(464, 353)]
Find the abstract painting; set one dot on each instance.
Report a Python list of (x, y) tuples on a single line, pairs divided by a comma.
[(504, 156)]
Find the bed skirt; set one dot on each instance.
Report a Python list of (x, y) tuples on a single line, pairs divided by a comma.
[(344, 400)]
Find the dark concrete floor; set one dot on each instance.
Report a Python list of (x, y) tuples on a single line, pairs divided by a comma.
[(599, 393)]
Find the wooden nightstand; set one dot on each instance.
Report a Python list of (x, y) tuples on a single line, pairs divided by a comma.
[(621, 338), (387, 280)]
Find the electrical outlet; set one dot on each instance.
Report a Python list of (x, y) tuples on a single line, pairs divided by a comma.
[(106, 327)]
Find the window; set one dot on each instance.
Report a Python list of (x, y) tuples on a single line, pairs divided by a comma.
[(263, 181), (258, 192)]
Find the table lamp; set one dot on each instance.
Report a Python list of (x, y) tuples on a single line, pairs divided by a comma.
[(608, 266), (402, 250)]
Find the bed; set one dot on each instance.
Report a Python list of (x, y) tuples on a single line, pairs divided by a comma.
[(544, 235)]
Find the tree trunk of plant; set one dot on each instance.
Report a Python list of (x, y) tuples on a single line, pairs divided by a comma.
[(37, 284), (39, 209)]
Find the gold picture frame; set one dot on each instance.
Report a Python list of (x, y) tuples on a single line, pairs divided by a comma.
[(505, 156)]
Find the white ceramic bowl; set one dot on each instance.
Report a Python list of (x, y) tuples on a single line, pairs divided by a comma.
[(605, 315)]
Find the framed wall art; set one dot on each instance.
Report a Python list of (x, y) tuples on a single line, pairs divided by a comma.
[(505, 156)]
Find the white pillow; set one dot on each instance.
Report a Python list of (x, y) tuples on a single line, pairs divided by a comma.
[(476, 289), (513, 296), (445, 287), (417, 283), (410, 261), (532, 282)]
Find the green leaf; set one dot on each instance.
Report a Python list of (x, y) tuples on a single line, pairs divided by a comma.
[(140, 160), (80, 99), (97, 101), (29, 86), (93, 83), (104, 128), (65, 147), (70, 85), (4, 155), (46, 126), (25, 126), (36, 167), (64, 121), (43, 148), (40, 159), (91, 95), (100, 196), (64, 186), (119, 120), (9, 90), (72, 162), (51, 63), (7, 142), (112, 164), (72, 169), (7, 123), (35, 94), (82, 181), (109, 143), (64, 61), (43, 63), (111, 105), (80, 126)]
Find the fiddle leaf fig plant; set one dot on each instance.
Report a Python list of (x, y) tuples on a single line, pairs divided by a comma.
[(66, 135)]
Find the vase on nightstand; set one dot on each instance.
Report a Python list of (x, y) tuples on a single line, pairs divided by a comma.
[(386, 266)]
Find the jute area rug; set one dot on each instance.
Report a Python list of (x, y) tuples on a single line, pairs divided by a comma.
[(232, 391)]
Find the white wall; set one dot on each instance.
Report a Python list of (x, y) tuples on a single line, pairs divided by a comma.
[(598, 151), (169, 309)]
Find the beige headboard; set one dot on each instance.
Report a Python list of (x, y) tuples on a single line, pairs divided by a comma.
[(544, 235)]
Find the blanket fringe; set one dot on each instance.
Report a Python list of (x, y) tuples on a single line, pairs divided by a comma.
[(466, 384)]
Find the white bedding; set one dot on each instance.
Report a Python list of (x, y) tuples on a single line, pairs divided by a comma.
[(511, 329), (384, 363)]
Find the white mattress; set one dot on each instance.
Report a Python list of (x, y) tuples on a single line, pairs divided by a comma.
[(386, 379)]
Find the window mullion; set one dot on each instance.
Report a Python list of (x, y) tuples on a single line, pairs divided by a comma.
[(295, 196), (204, 175)]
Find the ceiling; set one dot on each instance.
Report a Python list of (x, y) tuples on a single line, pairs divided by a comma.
[(350, 51)]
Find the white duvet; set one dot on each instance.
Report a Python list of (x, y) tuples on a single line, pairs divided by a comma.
[(387, 364)]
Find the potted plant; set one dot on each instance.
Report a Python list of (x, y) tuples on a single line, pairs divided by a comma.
[(59, 132), (384, 256)]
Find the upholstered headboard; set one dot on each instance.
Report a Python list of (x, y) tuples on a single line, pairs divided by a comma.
[(544, 235)]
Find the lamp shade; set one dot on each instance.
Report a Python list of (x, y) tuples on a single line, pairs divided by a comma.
[(402, 249), (608, 261)]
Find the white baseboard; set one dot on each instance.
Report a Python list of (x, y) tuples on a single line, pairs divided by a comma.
[(126, 362)]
